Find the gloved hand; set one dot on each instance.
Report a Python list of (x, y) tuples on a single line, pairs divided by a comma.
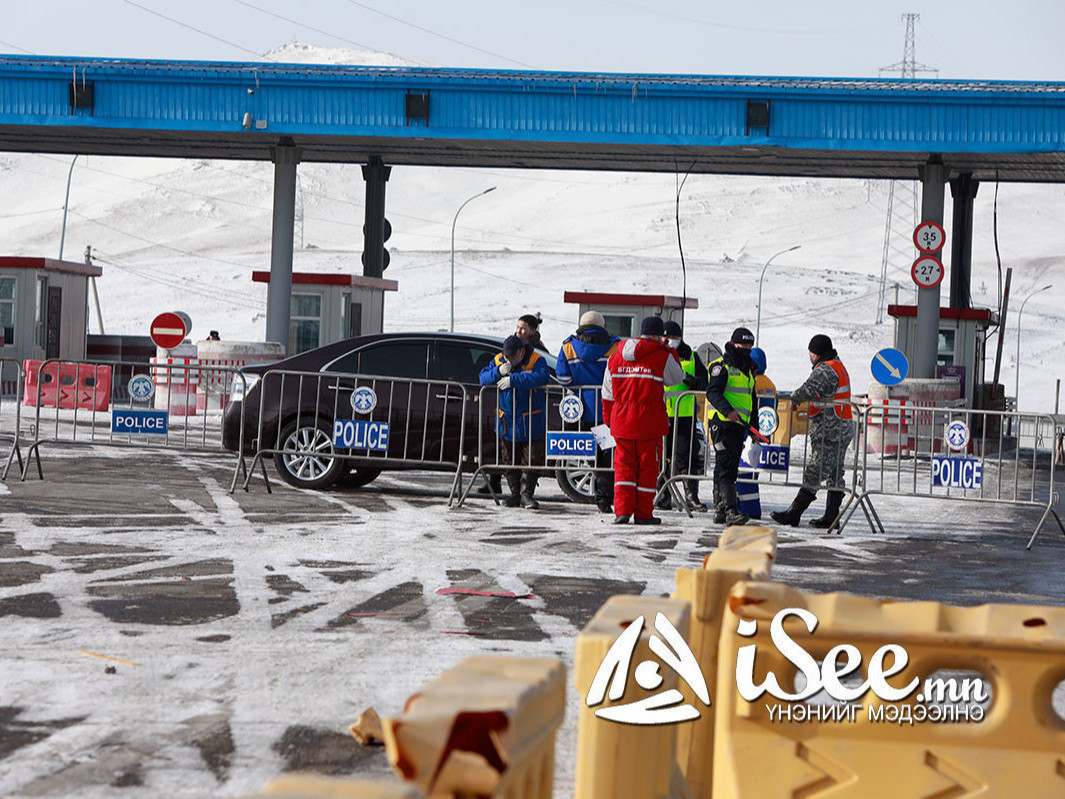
[(691, 382), (504, 384), (505, 367), (734, 416)]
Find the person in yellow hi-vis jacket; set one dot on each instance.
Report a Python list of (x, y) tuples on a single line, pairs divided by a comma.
[(681, 410), (766, 392), (730, 392)]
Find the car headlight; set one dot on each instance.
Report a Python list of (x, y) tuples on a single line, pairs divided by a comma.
[(242, 383)]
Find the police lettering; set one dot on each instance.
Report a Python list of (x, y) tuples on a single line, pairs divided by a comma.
[(957, 472), (352, 434)]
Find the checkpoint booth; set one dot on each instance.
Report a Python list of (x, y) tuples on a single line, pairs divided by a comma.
[(326, 308), (622, 312), (43, 311)]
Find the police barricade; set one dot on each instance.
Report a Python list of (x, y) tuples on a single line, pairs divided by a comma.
[(811, 460), (74, 402), (11, 382), (317, 425), (553, 438), (958, 454), (882, 698)]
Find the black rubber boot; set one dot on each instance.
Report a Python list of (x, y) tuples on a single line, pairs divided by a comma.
[(496, 482), (691, 496), (733, 514), (719, 506), (514, 484), (832, 504), (793, 514)]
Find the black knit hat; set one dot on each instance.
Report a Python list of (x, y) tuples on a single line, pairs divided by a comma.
[(742, 335), (672, 329), (652, 326), (512, 345), (820, 344)]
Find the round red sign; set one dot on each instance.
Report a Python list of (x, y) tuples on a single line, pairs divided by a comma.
[(168, 330)]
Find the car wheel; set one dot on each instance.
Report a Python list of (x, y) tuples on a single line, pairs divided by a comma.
[(576, 483), (297, 465), (358, 476)]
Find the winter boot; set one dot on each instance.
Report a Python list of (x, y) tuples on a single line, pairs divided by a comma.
[(648, 520), (664, 500), (731, 500), (792, 515), (513, 499), (691, 496), (622, 519), (719, 506), (832, 503), (493, 484), (528, 488)]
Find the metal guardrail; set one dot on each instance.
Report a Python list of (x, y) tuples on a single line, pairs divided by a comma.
[(11, 375), (73, 403), (311, 425), (918, 454), (497, 455), (790, 477)]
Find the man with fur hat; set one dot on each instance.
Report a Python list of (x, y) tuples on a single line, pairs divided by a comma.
[(634, 406), (830, 431), (730, 392), (582, 361), (518, 372)]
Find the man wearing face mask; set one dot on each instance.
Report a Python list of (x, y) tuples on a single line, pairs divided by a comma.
[(518, 372), (730, 392), (681, 410)]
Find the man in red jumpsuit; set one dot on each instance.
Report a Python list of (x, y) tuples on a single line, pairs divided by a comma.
[(634, 407)]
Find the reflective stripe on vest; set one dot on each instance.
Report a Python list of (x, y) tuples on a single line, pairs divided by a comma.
[(687, 404), (843, 392), (737, 392)]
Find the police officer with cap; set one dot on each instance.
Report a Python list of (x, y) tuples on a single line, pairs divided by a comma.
[(731, 394)]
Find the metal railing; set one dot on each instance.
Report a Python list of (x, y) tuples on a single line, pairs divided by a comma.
[(74, 402), (11, 380), (811, 446), (313, 423)]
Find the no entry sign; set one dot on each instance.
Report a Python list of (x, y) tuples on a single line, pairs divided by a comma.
[(168, 330)]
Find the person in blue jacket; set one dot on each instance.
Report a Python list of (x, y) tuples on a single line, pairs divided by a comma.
[(518, 372), (581, 362)]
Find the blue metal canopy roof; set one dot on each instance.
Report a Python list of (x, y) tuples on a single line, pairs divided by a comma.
[(771, 126)]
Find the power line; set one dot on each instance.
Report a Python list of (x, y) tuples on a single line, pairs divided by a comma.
[(788, 31), (439, 35), (15, 47), (196, 30)]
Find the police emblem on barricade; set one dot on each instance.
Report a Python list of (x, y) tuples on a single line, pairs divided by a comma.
[(141, 388), (363, 399), (571, 409), (768, 421), (957, 434), (666, 707)]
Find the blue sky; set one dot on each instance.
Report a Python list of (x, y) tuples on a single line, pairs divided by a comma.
[(974, 39)]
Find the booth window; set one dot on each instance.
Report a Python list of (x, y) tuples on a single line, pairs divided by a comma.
[(945, 355), (40, 329), (305, 323), (7, 309), (616, 325)]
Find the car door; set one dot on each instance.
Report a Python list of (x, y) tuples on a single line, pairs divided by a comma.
[(462, 361), (393, 370)]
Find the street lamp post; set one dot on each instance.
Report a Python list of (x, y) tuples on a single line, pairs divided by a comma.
[(758, 325), (66, 202), (1017, 377), (455, 220)]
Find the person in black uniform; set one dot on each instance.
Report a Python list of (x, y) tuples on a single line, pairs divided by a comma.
[(681, 412), (730, 392)]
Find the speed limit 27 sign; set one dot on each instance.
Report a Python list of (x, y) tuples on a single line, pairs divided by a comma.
[(927, 272), (929, 237)]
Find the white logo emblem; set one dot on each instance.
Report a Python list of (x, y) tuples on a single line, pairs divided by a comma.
[(363, 399), (571, 408), (141, 388), (667, 707), (768, 421), (957, 436)]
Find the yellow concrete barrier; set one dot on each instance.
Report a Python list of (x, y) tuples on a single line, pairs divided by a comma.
[(743, 553), (910, 719), (316, 786), (484, 728), (617, 760)]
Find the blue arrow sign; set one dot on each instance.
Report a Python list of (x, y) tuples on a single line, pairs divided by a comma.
[(889, 367)]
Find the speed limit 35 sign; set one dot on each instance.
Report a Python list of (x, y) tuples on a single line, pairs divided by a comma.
[(927, 272)]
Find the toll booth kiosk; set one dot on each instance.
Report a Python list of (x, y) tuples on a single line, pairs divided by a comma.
[(622, 312), (43, 310), (960, 352), (328, 308)]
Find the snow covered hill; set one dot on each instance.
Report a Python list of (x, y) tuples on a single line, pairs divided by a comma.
[(177, 234)]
